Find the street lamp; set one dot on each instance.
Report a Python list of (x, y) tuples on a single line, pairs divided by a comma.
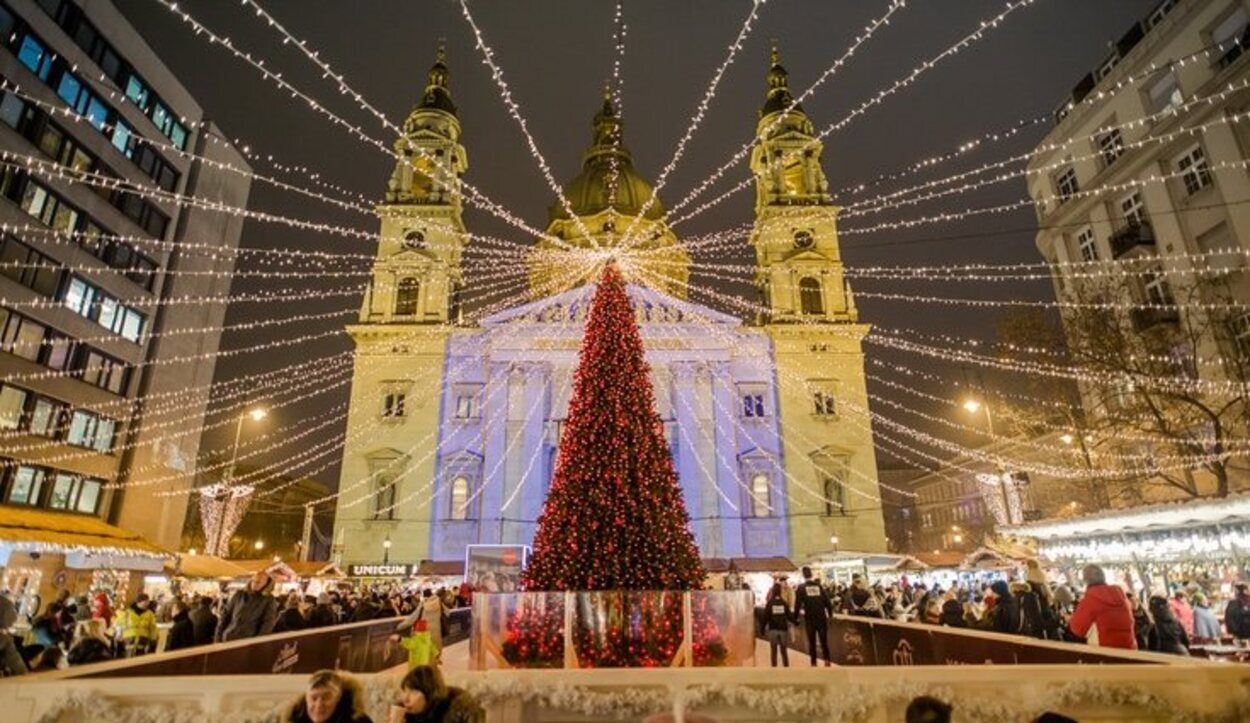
[(256, 414), (260, 545), (972, 406), (386, 550)]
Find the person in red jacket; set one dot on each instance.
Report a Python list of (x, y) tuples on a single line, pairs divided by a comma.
[(1104, 608)]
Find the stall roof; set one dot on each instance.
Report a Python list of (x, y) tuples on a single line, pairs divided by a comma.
[(277, 568), (315, 568), (948, 559), (1162, 516), (207, 567), (26, 528), (749, 564), (441, 567)]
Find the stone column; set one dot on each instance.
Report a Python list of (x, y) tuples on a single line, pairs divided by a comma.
[(685, 378), (726, 439), (529, 501), (494, 442)]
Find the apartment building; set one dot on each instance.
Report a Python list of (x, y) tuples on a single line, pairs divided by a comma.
[(1142, 196), (103, 387)]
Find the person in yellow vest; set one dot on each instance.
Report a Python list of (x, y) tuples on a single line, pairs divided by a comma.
[(137, 626)]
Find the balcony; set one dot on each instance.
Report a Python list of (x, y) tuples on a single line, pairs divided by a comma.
[(1132, 236), (1144, 319)]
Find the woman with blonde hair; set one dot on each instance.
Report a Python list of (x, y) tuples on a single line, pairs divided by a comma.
[(91, 645)]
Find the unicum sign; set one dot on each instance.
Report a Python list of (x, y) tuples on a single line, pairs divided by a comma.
[(380, 570)]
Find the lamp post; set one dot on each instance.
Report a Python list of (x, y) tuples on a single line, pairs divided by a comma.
[(386, 550), (972, 406), (255, 414)]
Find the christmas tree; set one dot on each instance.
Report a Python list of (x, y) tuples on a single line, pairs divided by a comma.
[(614, 517), (614, 520)]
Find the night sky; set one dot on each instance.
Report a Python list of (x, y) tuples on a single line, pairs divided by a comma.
[(556, 56)]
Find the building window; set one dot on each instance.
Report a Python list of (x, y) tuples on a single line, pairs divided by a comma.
[(46, 417), (760, 503), (835, 495), (21, 336), (810, 299), (1087, 244), (1194, 170), (384, 497), (1241, 338), (90, 302), (753, 405), (1155, 285), (393, 404), (12, 406), (1132, 209), (824, 404), (29, 267), (88, 496), (27, 484), (466, 405), (406, 295), (1110, 146), (1165, 94), (1065, 183), (459, 498), (89, 430), (1229, 36)]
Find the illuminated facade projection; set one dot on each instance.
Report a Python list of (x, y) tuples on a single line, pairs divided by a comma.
[(454, 426)]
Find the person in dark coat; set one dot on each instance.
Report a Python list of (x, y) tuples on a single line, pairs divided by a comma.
[(251, 612), (425, 698), (365, 610), (203, 622), (1142, 625), (814, 603), (1167, 636), (322, 614), (11, 662), (290, 619), (1006, 609), (1237, 612), (777, 618), (182, 632), (1032, 623), (331, 697)]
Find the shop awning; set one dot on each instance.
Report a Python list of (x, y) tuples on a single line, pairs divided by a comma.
[(947, 560), (749, 564), (207, 567), (314, 568), (276, 568), (37, 530)]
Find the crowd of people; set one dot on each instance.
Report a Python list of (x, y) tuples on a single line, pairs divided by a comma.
[(1098, 613), (336, 697), (95, 627)]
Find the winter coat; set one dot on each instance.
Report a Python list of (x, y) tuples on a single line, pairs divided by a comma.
[(1107, 608), (203, 625), (137, 624), (1237, 616), (457, 707), (322, 616), (1032, 623), (182, 633), (1205, 624), (89, 650), (366, 610), (11, 662), (1006, 609), (777, 614), (351, 707), (1184, 614), (812, 599), (953, 614), (289, 620), (248, 614), (1142, 627), (1168, 635)]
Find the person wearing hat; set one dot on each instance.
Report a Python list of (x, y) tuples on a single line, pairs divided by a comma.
[(1237, 612)]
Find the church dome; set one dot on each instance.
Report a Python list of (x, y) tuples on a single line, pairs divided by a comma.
[(608, 178)]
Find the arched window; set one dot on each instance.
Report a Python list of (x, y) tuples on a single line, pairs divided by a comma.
[(760, 504), (809, 296), (460, 498), (406, 297), (835, 496)]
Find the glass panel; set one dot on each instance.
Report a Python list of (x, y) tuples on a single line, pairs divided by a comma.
[(60, 350), (33, 199), (69, 88), (77, 295), (88, 496), (27, 482), (11, 109), (179, 136), (137, 92), (31, 54), (109, 313), (132, 329), (97, 114), (43, 418), (62, 491), (80, 429), (12, 403), (121, 138), (104, 435), (66, 218), (29, 339)]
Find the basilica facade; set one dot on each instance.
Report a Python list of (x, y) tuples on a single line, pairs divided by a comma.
[(453, 426)]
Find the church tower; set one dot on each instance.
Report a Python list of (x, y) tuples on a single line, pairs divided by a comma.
[(611, 207), (809, 313), (409, 310)]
